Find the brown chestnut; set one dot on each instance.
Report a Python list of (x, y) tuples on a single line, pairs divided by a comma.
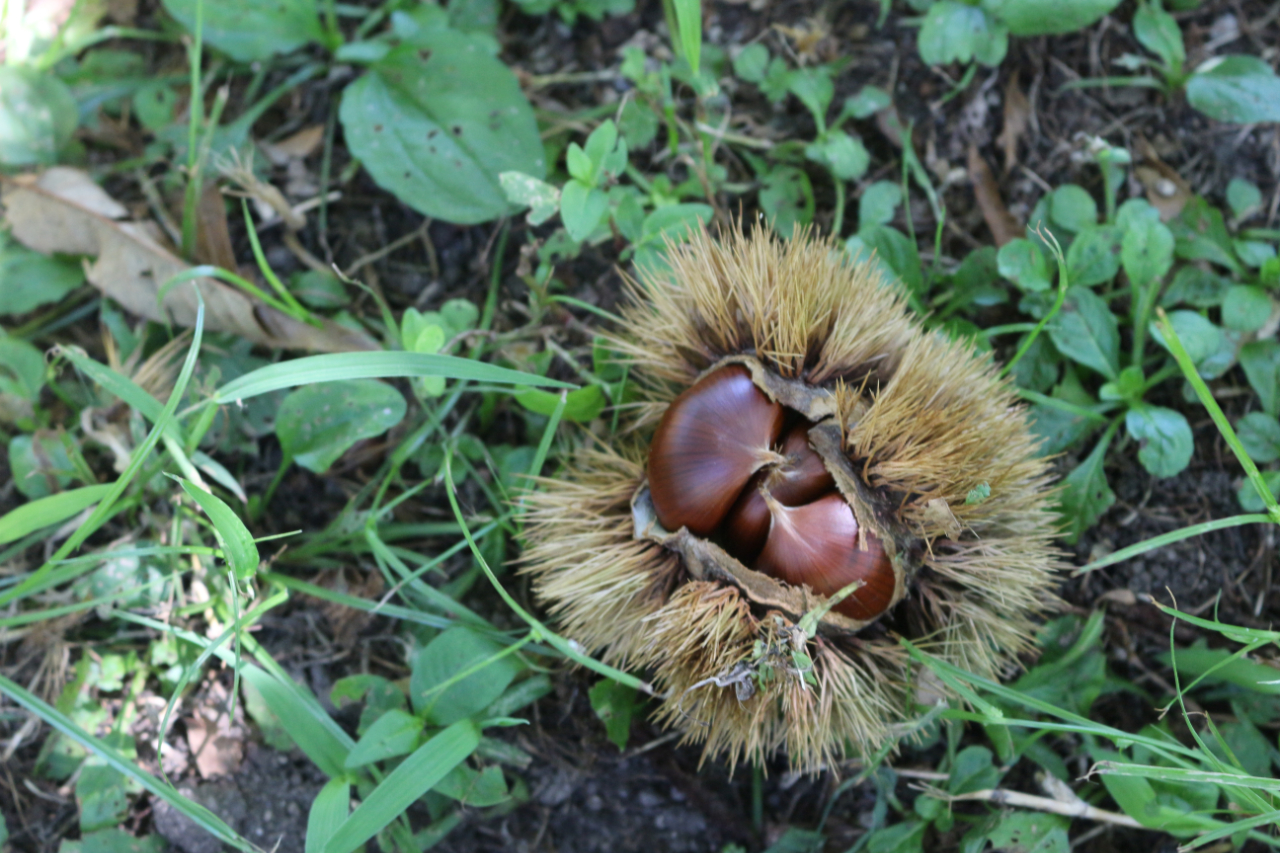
[(817, 544), (710, 441), (800, 479)]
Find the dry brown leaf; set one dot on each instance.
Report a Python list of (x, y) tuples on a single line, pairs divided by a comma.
[(998, 218), (216, 741), (1167, 191), (296, 147), (1017, 117), (213, 236), (62, 210)]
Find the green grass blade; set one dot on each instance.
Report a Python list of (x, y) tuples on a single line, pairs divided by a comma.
[(312, 737), (329, 810), (136, 460), (371, 365), (48, 511), (202, 817), (414, 776), (1173, 536), (237, 541), (689, 20), (393, 610), (1215, 411)]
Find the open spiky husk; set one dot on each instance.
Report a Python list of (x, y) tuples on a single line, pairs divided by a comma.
[(924, 421)]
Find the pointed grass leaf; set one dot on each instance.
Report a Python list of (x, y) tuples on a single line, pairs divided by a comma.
[(237, 542), (581, 406), (249, 30), (1085, 331), (301, 719), (1165, 437), (48, 511), (394, 733), (328, 811), (1240, 89), (114, 759), (436, 122), (412, 778), (432, 685), (319, 423), (370, 365)]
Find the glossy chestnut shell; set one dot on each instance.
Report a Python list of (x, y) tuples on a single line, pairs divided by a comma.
[(721, 466)]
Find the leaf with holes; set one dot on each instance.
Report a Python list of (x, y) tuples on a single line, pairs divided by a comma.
[(248, 30), (318, 423), (436, 122)]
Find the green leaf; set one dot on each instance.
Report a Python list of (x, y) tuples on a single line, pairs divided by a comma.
[(894, 251), (100, 794), (841, 153), (31, 279), (1261, 363), (972, 771), (1073, 208), (476, 789), (48, 511), (1243, 197), (904, 837), (39, 464), (1248, 496), (1240, 89), (582, 209), (1086, 494), (878, 204), (412, 778), (1022, 262), (1094, 255), (319, 423), (815, 90), (1086, 331), (614, 704), (248, 30), (542, 199), (751, 62), (394, 733), (1166, 438), (237, 542), (1146, 251), (786, 197), (369, 365), (867, 102), (329, 809), (437, 121), (1033, 18), (1259, 432), (1195, 286), (1246, 308), (314, 733), (581, 406), (22, 368), (113, 840), (1200, 338), (957, 32), (38, 114), (451, 653), (1031, 832), (1158, 32)]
